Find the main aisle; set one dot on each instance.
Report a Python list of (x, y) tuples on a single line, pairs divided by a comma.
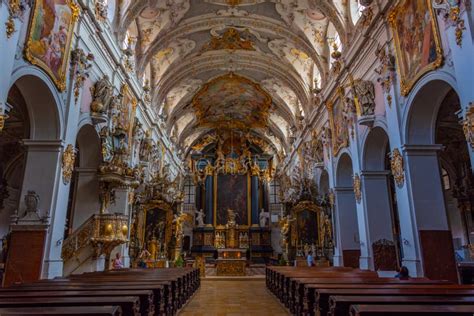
[(233, 297)]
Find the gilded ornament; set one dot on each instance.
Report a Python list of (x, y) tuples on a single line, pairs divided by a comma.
[(69, 157), (10, 26), (81, 63), (468, 125), (3, 118), (357, 187), (396, 164)]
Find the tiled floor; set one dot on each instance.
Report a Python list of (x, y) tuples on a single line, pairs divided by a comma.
[(232, 298)]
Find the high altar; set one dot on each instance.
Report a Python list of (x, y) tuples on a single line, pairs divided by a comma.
[(232, 194)]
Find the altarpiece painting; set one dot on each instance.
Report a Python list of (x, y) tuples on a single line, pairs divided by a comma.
[(48, 41), (417, 41), (232, 192)]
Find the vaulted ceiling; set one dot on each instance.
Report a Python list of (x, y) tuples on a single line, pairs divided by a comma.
[(250, 65)]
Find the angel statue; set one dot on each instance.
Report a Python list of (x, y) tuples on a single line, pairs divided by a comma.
[(200, 217)]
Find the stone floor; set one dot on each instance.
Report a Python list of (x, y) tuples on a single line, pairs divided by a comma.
[(232, 298)]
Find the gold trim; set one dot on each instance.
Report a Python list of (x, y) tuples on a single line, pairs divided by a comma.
[(339, 94), (406, 84), (59, 81)]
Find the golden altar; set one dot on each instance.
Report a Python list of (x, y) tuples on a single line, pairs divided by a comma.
[(231, 262)]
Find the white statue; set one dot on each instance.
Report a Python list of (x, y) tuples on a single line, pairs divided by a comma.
[(263, 218), (200, 217)]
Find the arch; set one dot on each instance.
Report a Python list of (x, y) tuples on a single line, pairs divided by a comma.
[(88, 143), (344, 171), (42, 102), (83, 197), (423, 106), (375, 149)]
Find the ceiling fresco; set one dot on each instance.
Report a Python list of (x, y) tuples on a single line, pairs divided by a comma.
[(232, 101), (248, 65)]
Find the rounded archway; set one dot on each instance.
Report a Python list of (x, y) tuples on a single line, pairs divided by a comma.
[(435, 143), (383, 228), (84, 190), (347, 230)]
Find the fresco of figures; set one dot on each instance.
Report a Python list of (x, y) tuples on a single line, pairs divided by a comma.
[(49, 37), (417, 41)]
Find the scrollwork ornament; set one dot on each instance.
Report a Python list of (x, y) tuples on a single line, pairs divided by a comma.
[(357, 187), (68, 160), (81, 63), (3, 118), (396, 164), (468, 125), (452, 11), (15, 10)]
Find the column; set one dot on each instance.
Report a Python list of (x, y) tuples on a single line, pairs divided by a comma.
[(346, 232), (122, 206), (209, 200), (43, 175), (427, 208), (378, 210), (255, 200)]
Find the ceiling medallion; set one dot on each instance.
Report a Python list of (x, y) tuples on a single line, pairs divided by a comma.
[(235, 3), (232, 101), (231, 39)]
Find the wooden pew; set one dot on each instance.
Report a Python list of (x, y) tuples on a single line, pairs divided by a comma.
[(70, 311), (130, 304), (306, 303), (162, 299), (340, 305), (411, 310), (322, 305), (147, 306)]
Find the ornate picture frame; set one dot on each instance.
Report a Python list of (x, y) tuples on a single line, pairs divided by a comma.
[(49, 37), (335, 109), (415, 58)]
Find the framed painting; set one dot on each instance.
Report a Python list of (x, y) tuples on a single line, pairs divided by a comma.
[(232, 192), (48, 42), (417, 41), (337, 121)]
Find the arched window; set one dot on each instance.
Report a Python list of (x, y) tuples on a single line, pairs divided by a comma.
[(356, 10)]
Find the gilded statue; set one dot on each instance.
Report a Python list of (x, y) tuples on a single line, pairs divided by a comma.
[(178, 221), (231, 216), (102, 95), (285, 225), (366, 96)]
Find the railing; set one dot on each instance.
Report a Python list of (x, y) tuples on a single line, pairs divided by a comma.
[(101, 231)]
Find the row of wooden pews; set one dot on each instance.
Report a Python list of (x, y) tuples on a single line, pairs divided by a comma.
[(347, 291), (117, 292)]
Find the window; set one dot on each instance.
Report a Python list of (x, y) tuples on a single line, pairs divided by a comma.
[(189, 192), (274, 192)]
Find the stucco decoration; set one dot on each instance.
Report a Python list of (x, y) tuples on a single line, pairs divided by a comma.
[(398, 170), (68, 160), (357, 187)]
